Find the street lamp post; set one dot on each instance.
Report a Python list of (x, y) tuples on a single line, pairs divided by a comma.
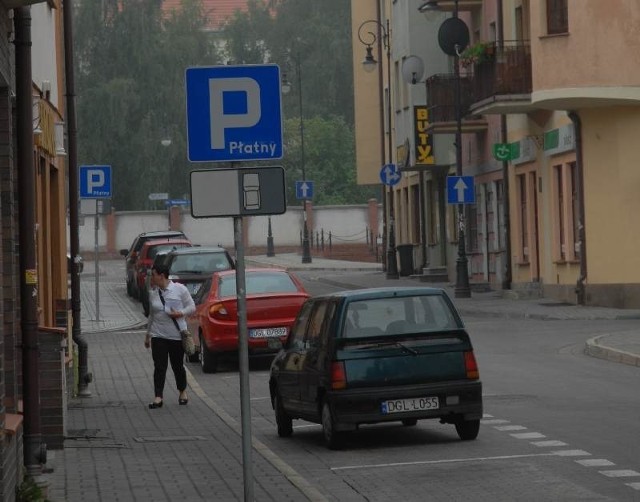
[(286, 87), (453, 37), (369, 65)]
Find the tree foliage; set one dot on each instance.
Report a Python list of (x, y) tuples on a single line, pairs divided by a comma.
[(311, 42), (130, 64)]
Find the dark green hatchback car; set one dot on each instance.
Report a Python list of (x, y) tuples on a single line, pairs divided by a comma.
[(377, 355)]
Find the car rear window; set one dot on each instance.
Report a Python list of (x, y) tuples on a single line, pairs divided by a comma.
[(200, 263), (398, 316), (259, 283), (163, 248)]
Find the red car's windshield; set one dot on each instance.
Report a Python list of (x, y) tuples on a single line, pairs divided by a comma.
[(259, 282)]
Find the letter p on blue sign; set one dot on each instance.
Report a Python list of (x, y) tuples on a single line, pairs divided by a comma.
[(233, 113), (95, 182)]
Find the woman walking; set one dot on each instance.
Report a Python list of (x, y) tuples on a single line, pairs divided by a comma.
[(169, 304)]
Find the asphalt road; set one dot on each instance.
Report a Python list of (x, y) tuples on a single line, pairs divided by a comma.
[(559, 425)]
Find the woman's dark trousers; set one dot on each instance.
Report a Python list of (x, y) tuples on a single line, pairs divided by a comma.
[(162, 351)]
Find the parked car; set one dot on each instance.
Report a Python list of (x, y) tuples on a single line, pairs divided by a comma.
[(131, 254), (146, 256), (377, 355), (273, 298), (193, 266)]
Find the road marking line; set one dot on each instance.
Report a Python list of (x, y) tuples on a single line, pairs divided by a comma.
[(495, 421), (259, 398), (595, 462), (571, 453), (486, 415), (509, 427), (305, 426), (450, 461), (528, 435), (620, 473), (287, 471), (549, 443), (635, 486)]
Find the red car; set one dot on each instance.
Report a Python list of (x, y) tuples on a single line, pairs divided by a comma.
[(146, 256), (273, 296)]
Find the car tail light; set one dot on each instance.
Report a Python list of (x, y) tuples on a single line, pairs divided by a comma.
[(338, 376), (471, 366), (218, 310)]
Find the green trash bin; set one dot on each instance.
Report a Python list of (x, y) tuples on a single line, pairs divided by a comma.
[(405, 253)]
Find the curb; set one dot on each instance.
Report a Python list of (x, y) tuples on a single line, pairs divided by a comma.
[(595, 348)]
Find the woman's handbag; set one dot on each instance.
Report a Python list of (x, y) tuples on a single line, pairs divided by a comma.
[(187, 341), (187, 338)]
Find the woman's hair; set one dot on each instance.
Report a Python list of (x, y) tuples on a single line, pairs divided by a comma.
[(161, 269)]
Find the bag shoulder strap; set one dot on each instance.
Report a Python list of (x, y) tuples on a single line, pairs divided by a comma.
[(162, 300)]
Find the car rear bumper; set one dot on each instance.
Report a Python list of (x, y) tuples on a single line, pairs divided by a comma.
[(460, 400)]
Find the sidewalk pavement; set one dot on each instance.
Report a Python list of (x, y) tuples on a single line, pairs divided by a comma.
[(118, 449)]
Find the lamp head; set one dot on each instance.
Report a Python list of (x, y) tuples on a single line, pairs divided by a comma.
[(428, 6), (369, 62), (285, 87), (165, 141)]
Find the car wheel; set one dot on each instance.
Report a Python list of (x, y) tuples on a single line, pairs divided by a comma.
[(332, 438), (283, 421), (468, 429), (208, 360), (409, 422)]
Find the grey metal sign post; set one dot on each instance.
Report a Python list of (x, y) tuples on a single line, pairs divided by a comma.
[(234, 114), (95, 183)]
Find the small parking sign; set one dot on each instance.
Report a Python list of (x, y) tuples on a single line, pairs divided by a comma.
[(95, 182), (234, 113)]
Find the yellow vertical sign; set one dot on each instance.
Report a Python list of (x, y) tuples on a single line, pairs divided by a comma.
[(423, 140)]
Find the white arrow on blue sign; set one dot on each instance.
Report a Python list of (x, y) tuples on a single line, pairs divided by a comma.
[(389, 175), (95, 182), (304, 189), (460, 190), (234, 113)]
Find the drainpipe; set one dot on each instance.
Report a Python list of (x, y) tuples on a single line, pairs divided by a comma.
[(34, 450), (580, 286), (507, 278), (84, 377)]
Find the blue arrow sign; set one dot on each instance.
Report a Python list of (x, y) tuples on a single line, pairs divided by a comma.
[(233, 113), (95, 182), (389, 175), (460, 190), (304, 189)]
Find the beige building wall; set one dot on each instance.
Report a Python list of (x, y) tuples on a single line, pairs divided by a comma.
[(367, 100), (612, 192), (599, 59)]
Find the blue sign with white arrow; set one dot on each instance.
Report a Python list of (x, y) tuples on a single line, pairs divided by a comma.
[(95, 182), (234, 113), (389, 175), (460, 190), (304, 189)]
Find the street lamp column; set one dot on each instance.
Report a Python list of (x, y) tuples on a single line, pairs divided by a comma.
[(462, 289), (369, 64), (306, 252)]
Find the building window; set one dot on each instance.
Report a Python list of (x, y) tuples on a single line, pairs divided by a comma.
[(575, 220), (472, 225), (557, 17), (499, 215), (560, 215), (432, 208), (522, 218)]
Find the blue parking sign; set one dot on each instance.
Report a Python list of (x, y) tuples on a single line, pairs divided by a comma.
[(234, 113), (95, 182)]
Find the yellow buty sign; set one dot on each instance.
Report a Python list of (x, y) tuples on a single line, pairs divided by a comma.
[(423, 140), (31, 276)]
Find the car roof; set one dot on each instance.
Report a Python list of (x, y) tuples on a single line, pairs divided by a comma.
[(160, 233), (159, 242), (388, 292), (252, 270), (198, 250)]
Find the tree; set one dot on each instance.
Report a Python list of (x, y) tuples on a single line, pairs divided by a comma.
[(130, 64), (329, 158)]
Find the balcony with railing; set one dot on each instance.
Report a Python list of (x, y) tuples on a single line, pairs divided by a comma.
[(441, 104), (502, 79)]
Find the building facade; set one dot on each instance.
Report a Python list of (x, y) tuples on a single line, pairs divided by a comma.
[(549, 101)]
